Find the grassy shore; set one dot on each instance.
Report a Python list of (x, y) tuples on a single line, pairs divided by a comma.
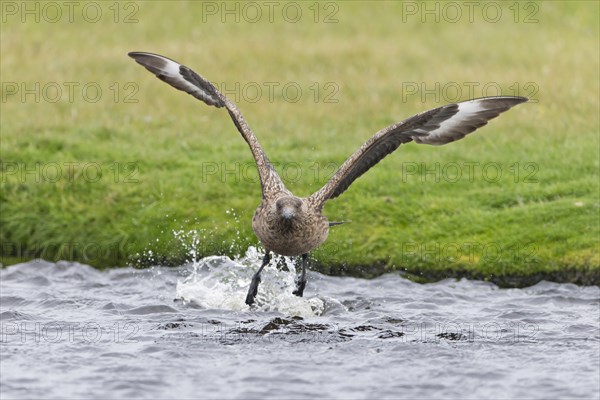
[(104, 164)]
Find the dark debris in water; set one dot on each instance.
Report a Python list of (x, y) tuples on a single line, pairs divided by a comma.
[(394, 321), (294, 329), (275, 324), (388, 334), (369, 331), (292, 326), (451, 336), (180, 323), (363, 328)]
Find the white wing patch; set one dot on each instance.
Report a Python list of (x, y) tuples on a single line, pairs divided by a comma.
[(466, 111), (470, 116), (171, 69)]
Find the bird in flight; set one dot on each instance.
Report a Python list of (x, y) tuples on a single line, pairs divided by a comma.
[(291, 225)]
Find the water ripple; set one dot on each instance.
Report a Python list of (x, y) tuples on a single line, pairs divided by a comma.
[(69, 330)]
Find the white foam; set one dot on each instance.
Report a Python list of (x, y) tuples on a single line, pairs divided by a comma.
[(222, 283)]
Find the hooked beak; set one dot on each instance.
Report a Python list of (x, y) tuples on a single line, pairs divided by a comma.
[(287, 213)]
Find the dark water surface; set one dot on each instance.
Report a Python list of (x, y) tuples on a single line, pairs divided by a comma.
[(71, 331)]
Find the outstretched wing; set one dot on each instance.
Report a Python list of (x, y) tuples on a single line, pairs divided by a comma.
[(183, 78), (436, 127)]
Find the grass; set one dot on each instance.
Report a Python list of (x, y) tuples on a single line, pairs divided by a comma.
[(108, 178)]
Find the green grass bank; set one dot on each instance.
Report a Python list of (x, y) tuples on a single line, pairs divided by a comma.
[(104, 164)]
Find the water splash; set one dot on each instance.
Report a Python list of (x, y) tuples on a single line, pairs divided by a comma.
[(219, 282), (190, 240)]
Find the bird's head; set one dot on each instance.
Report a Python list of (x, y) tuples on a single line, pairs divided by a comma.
[(288, 208)]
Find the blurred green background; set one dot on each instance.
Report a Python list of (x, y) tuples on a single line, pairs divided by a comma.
[(104, 164)]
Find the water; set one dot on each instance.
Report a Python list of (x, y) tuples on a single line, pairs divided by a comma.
[(71, 331)]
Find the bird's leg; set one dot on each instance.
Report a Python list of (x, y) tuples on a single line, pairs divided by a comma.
[(253, 290), (301, 279)]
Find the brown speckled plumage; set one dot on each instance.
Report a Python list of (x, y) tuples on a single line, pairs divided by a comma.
[(306, 230), (293, 226)]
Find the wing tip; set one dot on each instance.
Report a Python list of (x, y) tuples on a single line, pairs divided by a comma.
[(507, 101), (518, 99), (152, 62), (179, 76), (138, 55)]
